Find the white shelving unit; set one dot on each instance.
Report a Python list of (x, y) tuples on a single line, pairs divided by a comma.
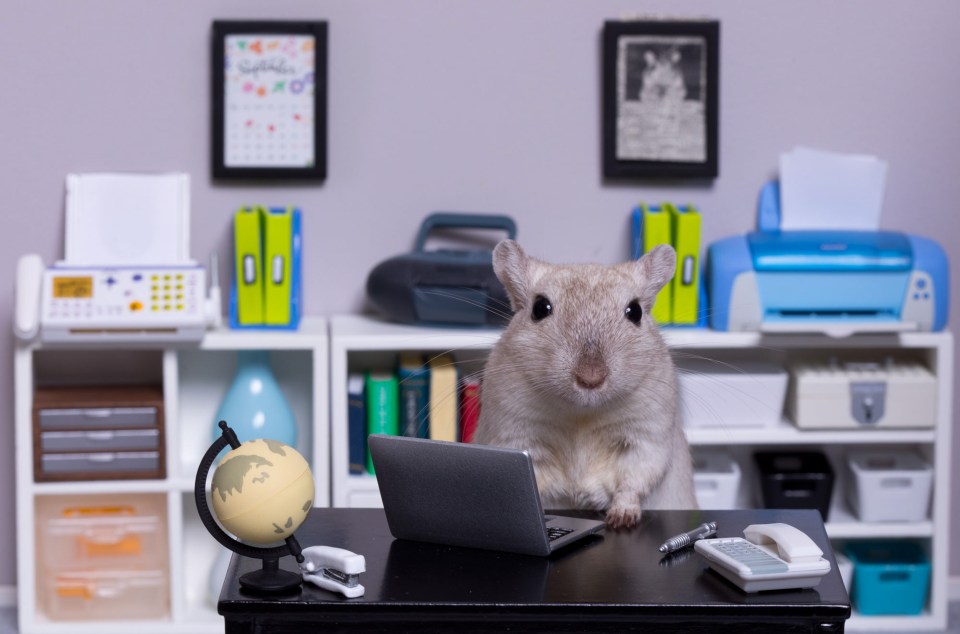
[(360, 343), (194, 379)]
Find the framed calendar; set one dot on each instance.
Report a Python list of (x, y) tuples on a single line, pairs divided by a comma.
[(269, 100)]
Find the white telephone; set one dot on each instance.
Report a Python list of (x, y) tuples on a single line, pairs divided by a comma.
[(113, 304), (771, 557)]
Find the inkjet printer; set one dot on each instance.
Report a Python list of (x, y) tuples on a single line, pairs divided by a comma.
[(832, 281)]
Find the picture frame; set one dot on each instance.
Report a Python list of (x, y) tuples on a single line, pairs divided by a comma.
[(660, 82), (269, 100)]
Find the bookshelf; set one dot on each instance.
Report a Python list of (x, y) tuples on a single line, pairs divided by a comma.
[(194, 379)]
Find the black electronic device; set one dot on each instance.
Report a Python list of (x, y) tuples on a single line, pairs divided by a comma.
[(453, 287)]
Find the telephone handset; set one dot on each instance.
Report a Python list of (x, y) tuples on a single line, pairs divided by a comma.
[(768, 557)]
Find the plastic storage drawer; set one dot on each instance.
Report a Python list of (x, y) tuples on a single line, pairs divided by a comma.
[(107, 595), (101, 440), (102, 537), (889, 485), (102, 556), (795, 480), (889, 577)]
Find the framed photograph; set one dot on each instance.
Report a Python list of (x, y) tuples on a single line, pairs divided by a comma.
[(660, 98), (269, 100)]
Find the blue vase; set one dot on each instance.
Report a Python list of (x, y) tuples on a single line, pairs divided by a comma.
[(254, 406)]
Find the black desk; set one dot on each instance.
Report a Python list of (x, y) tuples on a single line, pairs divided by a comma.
[(617, 582)]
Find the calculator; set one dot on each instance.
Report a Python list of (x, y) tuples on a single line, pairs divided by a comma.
[(767, 557)]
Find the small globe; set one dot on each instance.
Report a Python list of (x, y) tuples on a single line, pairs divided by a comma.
[(262, 491)]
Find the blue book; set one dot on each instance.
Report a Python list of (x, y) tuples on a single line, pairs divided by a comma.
[(414, 377), (357, 423)]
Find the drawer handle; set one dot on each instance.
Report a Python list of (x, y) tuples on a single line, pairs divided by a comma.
[(97, 413), (104, 434)]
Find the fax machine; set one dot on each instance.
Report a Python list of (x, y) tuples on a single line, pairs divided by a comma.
[(833, 281)]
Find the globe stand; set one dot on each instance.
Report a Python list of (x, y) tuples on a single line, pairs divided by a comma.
[(269, 579)]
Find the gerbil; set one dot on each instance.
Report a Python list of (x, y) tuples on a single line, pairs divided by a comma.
[(582, 380), (663, 78)]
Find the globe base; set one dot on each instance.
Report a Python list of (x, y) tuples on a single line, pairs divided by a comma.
[(270, 580)]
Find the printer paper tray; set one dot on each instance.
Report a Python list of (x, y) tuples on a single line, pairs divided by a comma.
[(835, 327)]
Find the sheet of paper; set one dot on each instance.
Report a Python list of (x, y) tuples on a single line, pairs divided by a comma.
[(127, 219), (827, 190)]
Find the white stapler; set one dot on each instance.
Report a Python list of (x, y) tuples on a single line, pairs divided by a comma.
[(334, 569)]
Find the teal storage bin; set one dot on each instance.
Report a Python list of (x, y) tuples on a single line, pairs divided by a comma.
[(889, 577)]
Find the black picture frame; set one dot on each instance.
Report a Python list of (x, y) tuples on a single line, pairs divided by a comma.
[(265, 124), (660, 82)]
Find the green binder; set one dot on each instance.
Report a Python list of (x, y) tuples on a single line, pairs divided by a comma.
[(248, 263), (685, 223), (277, 259)]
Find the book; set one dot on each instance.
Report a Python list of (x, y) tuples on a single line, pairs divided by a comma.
[(383, 399), (685, 226), (248, 262), (469, 407), (444, 399), (414, 377), (357, 423), (651, 227)]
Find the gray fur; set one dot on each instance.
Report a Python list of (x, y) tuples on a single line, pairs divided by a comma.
[(591, 395)]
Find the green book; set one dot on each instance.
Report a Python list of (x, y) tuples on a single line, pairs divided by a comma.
[(383, 406)]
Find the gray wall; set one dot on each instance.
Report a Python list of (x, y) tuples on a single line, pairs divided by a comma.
[(472, 106)]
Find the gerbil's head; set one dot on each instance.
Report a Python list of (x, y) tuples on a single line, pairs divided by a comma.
[(583, 332)]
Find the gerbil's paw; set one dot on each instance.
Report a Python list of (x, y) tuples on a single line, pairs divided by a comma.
[(623, 516)]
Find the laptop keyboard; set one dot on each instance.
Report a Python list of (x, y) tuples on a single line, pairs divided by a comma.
[(556, 533)]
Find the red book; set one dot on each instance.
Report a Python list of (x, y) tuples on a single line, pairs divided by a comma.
[(469, 408)]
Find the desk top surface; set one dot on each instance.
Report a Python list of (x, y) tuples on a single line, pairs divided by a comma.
[(620, 571)]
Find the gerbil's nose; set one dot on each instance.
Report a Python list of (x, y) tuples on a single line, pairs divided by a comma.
[(591, 370)]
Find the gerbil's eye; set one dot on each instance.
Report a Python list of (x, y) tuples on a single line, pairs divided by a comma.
[(633, 312), (542, 308)]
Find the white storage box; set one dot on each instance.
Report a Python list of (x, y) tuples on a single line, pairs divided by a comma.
[(714, 394), (862, 395), (889, 485), (716, 479)]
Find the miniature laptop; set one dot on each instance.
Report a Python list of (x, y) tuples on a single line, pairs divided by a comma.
[(461, 494)]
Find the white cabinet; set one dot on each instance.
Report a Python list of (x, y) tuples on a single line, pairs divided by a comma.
[(359, 343), (194, 379)]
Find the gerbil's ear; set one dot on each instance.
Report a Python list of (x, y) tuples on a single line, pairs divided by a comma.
[(657, 267), (512, 266)]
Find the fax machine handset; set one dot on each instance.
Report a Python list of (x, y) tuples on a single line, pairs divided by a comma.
[(26, 322), (768, 557)]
